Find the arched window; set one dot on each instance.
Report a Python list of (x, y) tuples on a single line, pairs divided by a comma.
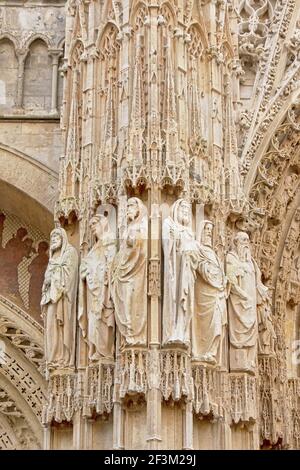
[(37, 79), (8, 75)]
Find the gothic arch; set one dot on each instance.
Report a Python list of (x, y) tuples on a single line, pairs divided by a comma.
[(36, 36), (8, 72), (171, 8), (9, 37), (12, 316), (8, 438), (28, 176), (74, 44), (271, 121), (103, 32), (137, 5), (202, 32), (22, 385), (30, 420)]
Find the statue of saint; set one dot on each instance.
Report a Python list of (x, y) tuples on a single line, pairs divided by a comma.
[(246, 293), (210, 318), (59, 301), (96, 312), (129, 277), (180, 248)]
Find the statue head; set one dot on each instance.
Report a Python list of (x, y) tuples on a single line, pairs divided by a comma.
[(206, 234), (98, 225), (242, 245), (184, 213), (55, 240), (58, 241), (132, 209)]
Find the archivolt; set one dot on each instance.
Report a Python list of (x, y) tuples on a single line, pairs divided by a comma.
[(29, 176)]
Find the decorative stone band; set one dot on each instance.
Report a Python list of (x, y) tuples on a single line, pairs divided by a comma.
[(60, 405), (65, 207), (211, 391), (208, 390), (98, 389), (271, 388), (133, 370), (140, 175), (244, 400), (292, 419), (176, 378)]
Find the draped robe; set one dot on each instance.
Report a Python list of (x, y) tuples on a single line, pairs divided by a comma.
[(96, 313), (244, 279), (210, 317), (58, 305), (179, 278), (129, 281)]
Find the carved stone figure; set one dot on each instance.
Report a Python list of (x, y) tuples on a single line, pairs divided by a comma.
[(210, 316), (267, 335), (179, 247), (96, 313), (59, 301), (129, 277), (246, 292)]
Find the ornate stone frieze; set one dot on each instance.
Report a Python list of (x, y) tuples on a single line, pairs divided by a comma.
[(176, 376), (243, 391)]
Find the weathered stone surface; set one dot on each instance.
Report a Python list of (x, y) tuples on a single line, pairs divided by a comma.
[(179, 130)]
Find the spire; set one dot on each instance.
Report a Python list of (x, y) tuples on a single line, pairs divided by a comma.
[(169, 124), (196, 127), (107, 147), (233, 193), (137, 122), (72, 143)]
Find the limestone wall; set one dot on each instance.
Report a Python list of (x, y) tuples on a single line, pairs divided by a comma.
[(31, 53)]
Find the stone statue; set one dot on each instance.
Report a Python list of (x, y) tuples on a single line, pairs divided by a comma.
[(266, 332), (180, 248), (129, 277), (246, 292), (96, 312), (210, 316), (59, 301)]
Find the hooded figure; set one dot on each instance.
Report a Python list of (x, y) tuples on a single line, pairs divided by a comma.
[(59, 301), (179, 247), (210, 317), (96, 313), (129, 277)]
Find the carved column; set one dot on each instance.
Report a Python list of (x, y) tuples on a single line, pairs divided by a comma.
[(21, 55), (154, 393), (55, 55)]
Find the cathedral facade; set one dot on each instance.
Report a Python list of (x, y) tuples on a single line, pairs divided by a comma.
[(149, 224)]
